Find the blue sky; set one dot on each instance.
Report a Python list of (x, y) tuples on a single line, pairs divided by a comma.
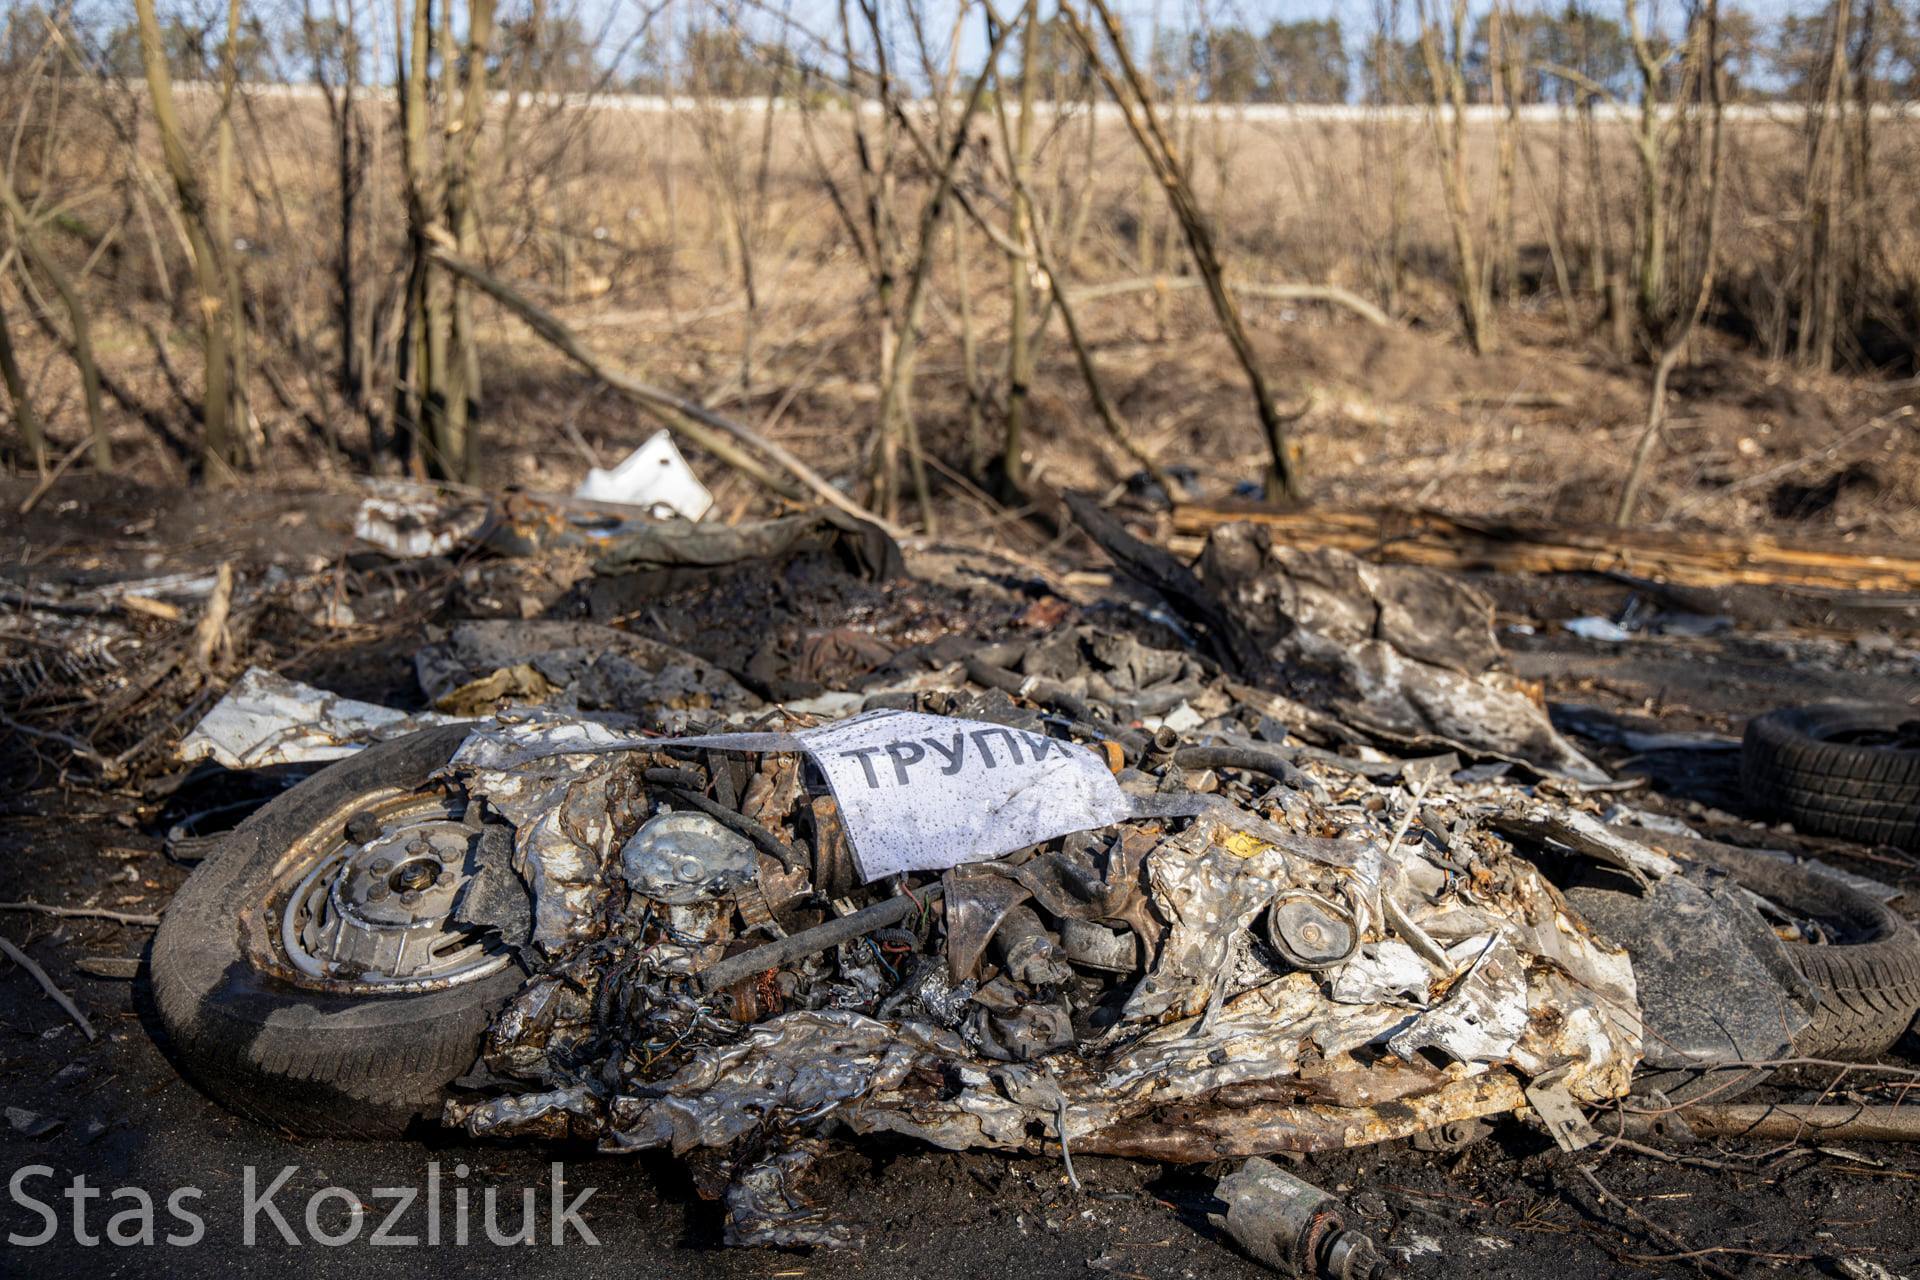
[(1141, 16)]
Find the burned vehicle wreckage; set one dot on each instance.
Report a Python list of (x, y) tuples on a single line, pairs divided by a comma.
[(1318, 878)]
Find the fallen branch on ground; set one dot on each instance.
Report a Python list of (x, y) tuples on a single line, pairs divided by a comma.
[(711, 431), (46, 481), (107, 768), (58, 996), (210, 636), (1331, 294), (1690, 558), (84, 913), (1824, 1122), (1683, 1250)]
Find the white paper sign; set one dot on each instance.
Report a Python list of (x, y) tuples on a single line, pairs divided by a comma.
[(916, 792), (923, 793)]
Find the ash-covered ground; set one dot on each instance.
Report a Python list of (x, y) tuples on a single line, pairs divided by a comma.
[(117, 1112)]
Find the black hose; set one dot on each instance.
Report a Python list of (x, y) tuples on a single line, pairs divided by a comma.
[(798, 946), (1273, 763), (1050, 694)]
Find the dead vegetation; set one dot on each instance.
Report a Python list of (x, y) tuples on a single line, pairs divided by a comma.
[(1603, 241), (1508, 278)]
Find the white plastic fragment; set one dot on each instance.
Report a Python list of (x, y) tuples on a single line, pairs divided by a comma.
[(1182, 719), (266, 719), (833, 702), (172, 586), (1597, 628), (654, 476)]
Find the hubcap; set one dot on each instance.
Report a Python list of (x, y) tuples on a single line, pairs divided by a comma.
[(372, 912)]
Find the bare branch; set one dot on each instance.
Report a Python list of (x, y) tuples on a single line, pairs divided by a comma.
[(709, 430)]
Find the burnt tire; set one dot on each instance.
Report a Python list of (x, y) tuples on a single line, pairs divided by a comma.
[(1867, 986), (288, 1056), (1838, 769)]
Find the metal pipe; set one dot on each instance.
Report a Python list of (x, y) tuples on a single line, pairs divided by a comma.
[(1270, 761), (798, 946)]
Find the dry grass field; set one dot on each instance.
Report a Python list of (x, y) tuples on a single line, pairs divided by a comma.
[(703, 246)]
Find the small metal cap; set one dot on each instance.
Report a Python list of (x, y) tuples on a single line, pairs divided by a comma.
[(1311, 931)]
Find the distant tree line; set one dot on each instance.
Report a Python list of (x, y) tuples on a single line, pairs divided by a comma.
[(1316, 60)]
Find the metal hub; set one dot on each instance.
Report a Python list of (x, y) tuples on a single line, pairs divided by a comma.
[(373, 913), (1311, 931)]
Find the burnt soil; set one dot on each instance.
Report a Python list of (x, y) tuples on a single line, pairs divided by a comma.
[(1508, 1206)]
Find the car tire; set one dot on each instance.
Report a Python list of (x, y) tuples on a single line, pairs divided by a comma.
[(1838, 769), (291, 1057), (1866, 988)]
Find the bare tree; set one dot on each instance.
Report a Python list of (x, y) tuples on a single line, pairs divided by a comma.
[(1387, 133), (1129, 90), (1019, 268), (1445, 50), (420, 371), (438, 370), (18, 399), (210, 269), (1651, 138), (460, 226), (1505, 57), (332, 43), (235, 313), (896, 427), (1705, 74), (739, 168), (1835, 151), (79, 324)]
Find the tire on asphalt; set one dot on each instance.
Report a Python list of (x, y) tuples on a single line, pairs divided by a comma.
[(1839, 769), (1866, 986), (293, 1058)]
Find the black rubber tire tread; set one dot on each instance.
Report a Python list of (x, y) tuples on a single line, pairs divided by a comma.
[(1790, 768), (308, 1062), (1868, 989)]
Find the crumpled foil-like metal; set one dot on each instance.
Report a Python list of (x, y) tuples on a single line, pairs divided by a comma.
[(1219, 1050), (568, 813)]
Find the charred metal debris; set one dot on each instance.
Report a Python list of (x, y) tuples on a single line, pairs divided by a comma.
[(1278, 888), (1277, 954)]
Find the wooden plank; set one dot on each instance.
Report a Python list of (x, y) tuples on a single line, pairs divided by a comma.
[(1686, 558)]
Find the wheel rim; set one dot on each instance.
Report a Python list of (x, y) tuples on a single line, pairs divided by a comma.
[(1892, 737), (366, 907)]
